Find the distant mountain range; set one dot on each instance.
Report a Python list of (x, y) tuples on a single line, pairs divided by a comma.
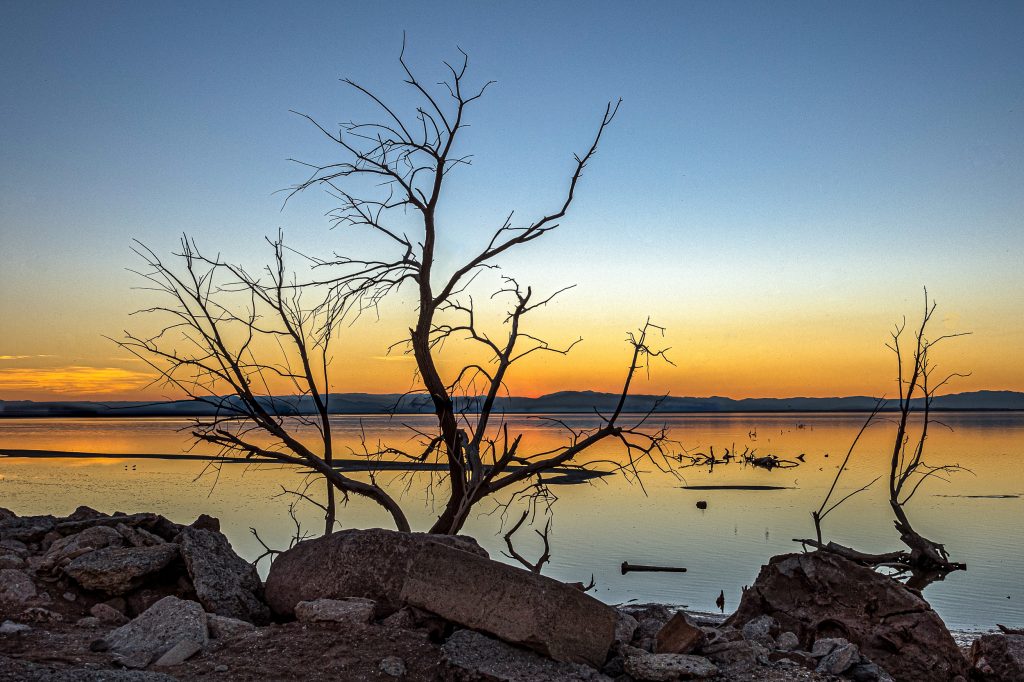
[(565, 402)]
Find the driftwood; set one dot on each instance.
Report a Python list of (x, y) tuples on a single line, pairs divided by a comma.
[(637, 568)]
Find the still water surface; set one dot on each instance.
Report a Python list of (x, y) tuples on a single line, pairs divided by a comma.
[(599, 525)]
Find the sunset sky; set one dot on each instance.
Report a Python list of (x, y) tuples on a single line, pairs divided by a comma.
[(781, 182)]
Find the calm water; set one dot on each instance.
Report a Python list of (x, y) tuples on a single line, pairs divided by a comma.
[(599, 525)]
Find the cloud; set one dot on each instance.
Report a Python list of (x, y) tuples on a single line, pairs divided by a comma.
[(23, 357), (72, 379)]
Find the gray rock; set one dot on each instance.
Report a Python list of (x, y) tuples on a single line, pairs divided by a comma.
[(157, 630), (11, 561), (649, 667), (14, 547), (625, 627), (220, 668), (222, 627), (16, 587), (841, 658), (734, 657), (225, 583), (825, 645), (9, 627), (370, 563), (179, 653), (90, 622), (762, 630), (119, 570), (522, 608), (392, 666), (6, 514), (469, 656), (67, 548), (26, 528), (354, 610), (787, 641), (867, 672)]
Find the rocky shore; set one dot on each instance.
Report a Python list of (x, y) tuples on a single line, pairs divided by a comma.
[(93, 596)]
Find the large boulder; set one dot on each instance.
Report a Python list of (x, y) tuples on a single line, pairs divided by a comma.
[(998, 658), (510, 603), (26, 528), (225, 583), (822, 595), (472, 657), (157, 630), (119, 570), (350, 563)]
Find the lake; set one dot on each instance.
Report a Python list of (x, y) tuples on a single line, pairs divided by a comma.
[(600, 524)]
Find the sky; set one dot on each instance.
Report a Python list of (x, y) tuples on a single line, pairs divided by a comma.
[(781, 182)]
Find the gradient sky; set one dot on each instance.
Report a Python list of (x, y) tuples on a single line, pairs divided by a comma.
[(782, 181)]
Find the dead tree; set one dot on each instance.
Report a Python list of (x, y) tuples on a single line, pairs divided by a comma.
[(226, 340), (408, 161), (927, 560)]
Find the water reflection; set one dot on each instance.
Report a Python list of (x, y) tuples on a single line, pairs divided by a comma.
[(603, 522)]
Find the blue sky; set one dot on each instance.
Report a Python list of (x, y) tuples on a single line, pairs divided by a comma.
[(784, 163)]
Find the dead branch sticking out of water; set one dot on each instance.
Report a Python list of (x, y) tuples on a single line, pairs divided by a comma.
[(927, 560)]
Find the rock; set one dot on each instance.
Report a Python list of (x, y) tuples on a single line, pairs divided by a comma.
[(734, 657), (353, 610), (821, 594), (678, 636), (72, 546), (151, 522), (392, 666), (867, 672), (998, 657), (625, 627), (157, 630), (650, 619), (11, 561), (825, 645), (26, 528), (206, 522), (38, 672), (9, 627), (510, 603), (84, 513), (6, 514), (90, 622), (787, 641), (179, 653), (118, 570), (15, 547), (649, 667), (225, 583), (350, 563), (222, 627), (220, 668), (702, 504), (16, 587), (841, 658), (470, 656), (108, 614), (761, 630), (138, 537), (156, 588)]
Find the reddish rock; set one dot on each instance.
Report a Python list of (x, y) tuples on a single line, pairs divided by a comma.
[(998, 657), (510, 603), (350, 563), (821, 594), (678, 636)]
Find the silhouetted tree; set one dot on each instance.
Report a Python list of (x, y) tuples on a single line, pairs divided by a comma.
[(917, 385), (408, 161)]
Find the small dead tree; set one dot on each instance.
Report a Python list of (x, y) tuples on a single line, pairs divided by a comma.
[(227, 339), (409, 161), (917, 384)]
